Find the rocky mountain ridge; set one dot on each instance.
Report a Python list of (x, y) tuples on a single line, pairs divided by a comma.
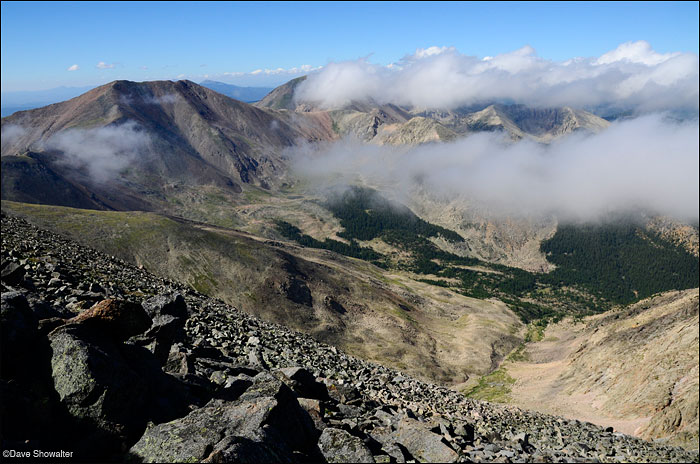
[(395, 125), (124, 144), (282, 395)]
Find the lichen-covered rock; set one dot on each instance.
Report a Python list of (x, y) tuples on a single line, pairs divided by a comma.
[(267, 413), (189, 439), (94, 381), (244, 451), (339, 446)]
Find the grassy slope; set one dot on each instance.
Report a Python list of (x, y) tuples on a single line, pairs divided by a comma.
[(386, 317)]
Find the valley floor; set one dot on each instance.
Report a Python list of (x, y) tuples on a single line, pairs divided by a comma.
[(539, 384), (634, 369)]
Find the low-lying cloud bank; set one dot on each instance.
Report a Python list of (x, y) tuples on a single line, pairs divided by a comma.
[(10, 133), (647, 163), (632, 77), (103, 151)]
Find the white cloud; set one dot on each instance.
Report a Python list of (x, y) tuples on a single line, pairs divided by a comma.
[(431, 51), (103, 65), (303, 69), (340, 83), (633, 76), (10, 133), (635, 52), (647, 163), (75, 67), (103, 151)]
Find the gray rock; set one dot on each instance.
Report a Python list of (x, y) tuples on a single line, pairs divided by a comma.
[(349, 411), (173, 304), (189, 439), (179, 363), (166, 329), (422, 443), (255, 359), (94, 381), (337, 445), (245, 451), (303, 383), (465, 430), (266, 413), (12, 273)]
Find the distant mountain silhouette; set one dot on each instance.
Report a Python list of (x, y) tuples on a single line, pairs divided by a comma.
[(244, 94)]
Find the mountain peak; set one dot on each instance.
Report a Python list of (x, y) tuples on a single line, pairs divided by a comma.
[(282, 98)]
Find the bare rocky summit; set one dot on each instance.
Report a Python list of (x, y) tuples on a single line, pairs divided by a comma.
[(391, 124), (231, 386), (183, 134)]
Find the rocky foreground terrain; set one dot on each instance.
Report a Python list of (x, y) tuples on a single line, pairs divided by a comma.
[(107, 361)]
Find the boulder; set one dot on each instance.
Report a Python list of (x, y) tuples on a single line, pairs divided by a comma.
[(189, 439), (12, 273), (179, 362), (245, 451), (266, 413), (166, 329), (421, 443), (95, 383), (118, 319), (337, 445), (160, 305), (303, 383)]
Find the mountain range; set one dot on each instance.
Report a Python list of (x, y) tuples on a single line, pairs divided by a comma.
[(201, 188), (30, 99), (199, 137), (244, 94)]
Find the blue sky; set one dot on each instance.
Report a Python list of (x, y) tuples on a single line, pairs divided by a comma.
[(145, 41)]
